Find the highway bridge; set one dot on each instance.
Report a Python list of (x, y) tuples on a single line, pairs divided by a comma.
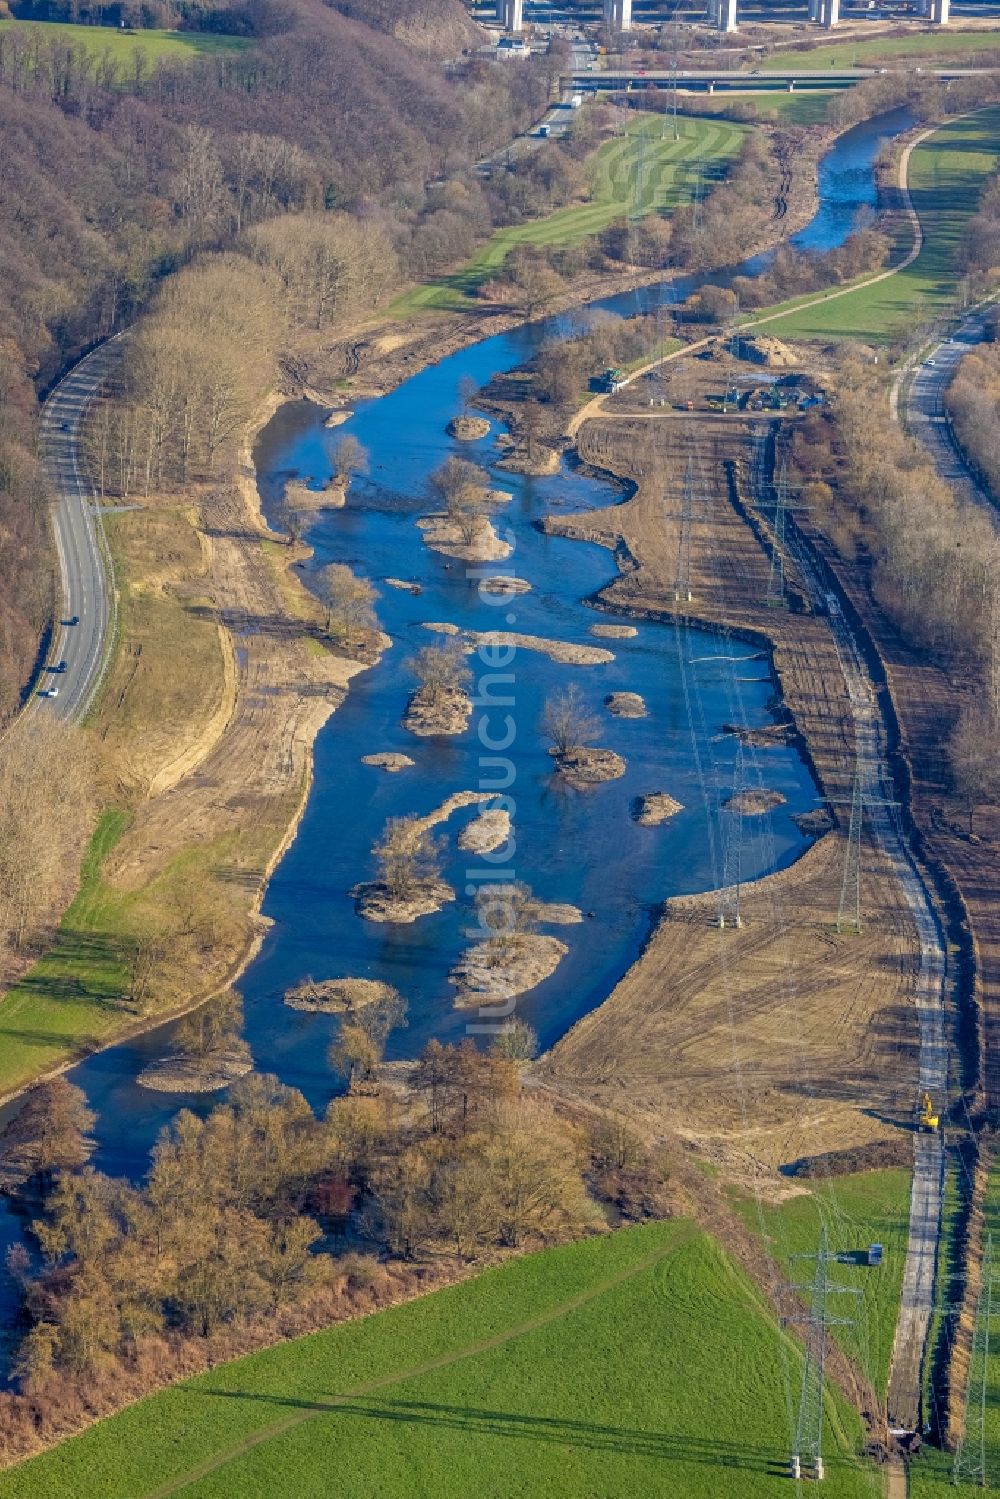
[(742, 81)]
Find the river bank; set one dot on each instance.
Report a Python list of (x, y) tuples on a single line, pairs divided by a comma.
[(815, 1046), (293, 604)]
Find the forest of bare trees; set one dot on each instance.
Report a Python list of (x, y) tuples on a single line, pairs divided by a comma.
[(937, 557), (46, 797), (112, 173)]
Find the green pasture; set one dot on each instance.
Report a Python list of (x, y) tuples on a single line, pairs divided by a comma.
[(806, 108), (639, 1362), (72, 995), (641, 172), (946, 174), (123, 45), (865, 1207), (935, 43)]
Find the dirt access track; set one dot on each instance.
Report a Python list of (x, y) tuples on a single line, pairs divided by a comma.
[(785, 1037)]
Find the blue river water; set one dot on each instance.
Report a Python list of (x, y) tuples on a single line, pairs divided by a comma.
[(584, 848)]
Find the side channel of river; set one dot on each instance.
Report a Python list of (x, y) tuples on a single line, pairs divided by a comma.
[(584, 848)]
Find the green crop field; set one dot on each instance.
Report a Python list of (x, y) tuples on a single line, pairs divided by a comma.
[(947, 173), (920, 44), (863, 1208), (644, 171), (123, 45), (640, 1362), (931, 1474)]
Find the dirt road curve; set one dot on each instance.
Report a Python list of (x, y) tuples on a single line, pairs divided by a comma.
[(884, 824)]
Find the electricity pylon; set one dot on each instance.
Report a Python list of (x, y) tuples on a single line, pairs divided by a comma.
[(970, 1459), (809, 1426), (849, 911), (775, 598), (732, 870), (682, 575)]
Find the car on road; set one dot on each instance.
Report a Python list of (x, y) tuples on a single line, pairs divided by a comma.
[(50, 692), (59, 666), (930, 361), (74, 620)]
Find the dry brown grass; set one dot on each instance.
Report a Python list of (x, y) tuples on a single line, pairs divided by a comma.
[(784, 1038)]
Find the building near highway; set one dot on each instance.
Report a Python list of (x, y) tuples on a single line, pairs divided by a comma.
[(510, 14), (618, 14)]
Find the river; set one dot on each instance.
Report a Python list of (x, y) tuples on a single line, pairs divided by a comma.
[(584, 848)]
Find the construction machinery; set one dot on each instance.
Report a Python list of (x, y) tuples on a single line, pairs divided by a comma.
[(928, 1119)]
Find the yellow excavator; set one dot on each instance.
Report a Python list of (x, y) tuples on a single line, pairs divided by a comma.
[(928, 1120)]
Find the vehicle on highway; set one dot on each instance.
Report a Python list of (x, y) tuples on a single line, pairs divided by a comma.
[(50, 692), (59, 666), (930, 361), (74, 620)]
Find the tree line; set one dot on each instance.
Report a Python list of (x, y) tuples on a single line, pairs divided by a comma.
[(936, 557), (261, 1209)]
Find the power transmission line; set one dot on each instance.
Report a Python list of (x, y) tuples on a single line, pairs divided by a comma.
[(809, 1427), (849, 911), (732, 865), (682, 574)]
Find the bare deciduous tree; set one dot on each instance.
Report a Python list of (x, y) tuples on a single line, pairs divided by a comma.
[(507, 913), (349, 457), (349, 601), (567, 722), (440, 670), (406, 856)]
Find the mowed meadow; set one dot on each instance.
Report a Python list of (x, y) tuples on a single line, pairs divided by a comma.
[(637, 1362), (947, 172), (642, 171)]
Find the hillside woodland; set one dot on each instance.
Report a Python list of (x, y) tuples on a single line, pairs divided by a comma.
[(112, 176)]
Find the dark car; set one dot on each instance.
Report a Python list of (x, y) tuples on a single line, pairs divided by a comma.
[(75, 620), (58, 666)]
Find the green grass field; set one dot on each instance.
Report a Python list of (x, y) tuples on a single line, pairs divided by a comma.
[(860, 1209), (122, 46), (947, 173), (930, 1476), (809, 108), (920, 44), (668, 175), (72, 995), (641, 1362)]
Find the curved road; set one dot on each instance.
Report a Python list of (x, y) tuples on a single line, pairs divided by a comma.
[(924, 410), (84, 561)]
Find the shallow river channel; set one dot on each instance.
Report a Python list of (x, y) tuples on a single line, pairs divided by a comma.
[(584, 848)]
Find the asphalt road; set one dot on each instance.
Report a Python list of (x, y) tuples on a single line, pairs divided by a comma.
[(924, 411), (86, 593)]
